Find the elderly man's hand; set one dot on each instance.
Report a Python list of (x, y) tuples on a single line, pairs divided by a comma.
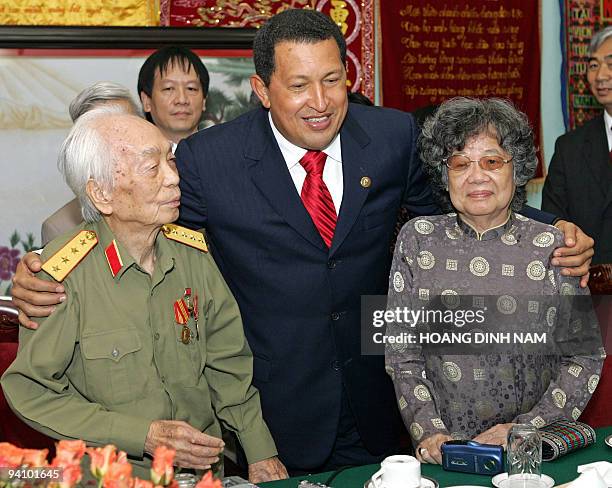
[(31, 295), (576, 256), (267, 470), (194, 449), (428, 451), (497, 435)]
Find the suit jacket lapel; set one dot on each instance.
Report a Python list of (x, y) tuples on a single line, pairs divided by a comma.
[(354, 167), (270, 174), (599, 160)]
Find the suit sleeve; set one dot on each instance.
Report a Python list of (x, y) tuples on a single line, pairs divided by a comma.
[(47, 232), (405, 363), (39, 392), (539, 215), (229, 371), (193, 211), (418, 196), (554, 193)]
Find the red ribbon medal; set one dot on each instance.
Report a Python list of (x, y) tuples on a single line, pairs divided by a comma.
[(181, 314)]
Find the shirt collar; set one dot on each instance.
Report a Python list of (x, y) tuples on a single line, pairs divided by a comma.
[(506, 228), (293, 153), (163, 251), (608, 124)]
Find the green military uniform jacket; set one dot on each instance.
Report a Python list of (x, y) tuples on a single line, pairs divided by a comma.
[(110, 359)]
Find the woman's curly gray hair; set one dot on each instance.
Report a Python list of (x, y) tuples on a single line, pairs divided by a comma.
[(459, 119)]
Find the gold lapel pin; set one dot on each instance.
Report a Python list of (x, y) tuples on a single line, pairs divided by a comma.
[(366, 182)]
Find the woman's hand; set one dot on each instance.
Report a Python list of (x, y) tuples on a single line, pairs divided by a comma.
[(428, 451), (497, 435)]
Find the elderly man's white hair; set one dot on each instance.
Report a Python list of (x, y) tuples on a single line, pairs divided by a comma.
[(100, 94), (85, 154)]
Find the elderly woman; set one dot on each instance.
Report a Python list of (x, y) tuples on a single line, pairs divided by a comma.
[(480, 156), (148, 348)]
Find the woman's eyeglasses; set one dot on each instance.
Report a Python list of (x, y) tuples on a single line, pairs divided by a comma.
[(459, 162)]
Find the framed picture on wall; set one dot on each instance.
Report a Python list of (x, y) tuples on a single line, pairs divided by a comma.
[(43, 68)]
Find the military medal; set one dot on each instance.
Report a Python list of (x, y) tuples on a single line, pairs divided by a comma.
[(185, 335), (181, 316), (196, 315), (192, 308), (187, 297)]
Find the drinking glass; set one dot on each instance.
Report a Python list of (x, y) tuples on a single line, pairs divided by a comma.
[(524, 456)]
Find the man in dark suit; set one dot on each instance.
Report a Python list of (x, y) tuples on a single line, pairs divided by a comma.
[(299, 200), (579, 182), (325, 403)]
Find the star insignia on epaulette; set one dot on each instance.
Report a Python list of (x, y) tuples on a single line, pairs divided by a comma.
[(191, 238), (60, 265)]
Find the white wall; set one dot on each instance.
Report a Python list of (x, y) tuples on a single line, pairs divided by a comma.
[(550, 89)]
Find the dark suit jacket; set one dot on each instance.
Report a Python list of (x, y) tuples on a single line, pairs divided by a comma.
[(300, 302), (578, 187)]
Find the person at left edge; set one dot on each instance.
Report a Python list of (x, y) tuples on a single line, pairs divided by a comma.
[(149, 350)]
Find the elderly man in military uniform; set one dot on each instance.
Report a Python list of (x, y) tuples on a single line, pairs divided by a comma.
[(148, 349)]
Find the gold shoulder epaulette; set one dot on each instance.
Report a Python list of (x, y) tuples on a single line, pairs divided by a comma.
[(189, 237), (66, 259)]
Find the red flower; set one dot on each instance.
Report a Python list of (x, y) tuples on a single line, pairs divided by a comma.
[(162, 470), (34, 458), (208, 481), (8, 262), (10, 456), (68, 452), (101, 459), (119, 475)]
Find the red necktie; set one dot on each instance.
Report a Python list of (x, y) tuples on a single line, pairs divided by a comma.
[(316, 196)]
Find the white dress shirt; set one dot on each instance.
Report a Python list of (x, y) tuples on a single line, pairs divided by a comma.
[(332, 172), (608, 122)]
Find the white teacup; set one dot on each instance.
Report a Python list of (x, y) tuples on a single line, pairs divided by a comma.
[(399, 471)]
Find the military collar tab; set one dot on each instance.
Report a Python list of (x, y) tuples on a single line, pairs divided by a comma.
[(113, 258)]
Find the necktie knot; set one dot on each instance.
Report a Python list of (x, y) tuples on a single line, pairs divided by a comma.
[(314, 162)]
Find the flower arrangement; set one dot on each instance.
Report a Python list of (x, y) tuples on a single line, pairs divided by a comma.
[(25, 468)]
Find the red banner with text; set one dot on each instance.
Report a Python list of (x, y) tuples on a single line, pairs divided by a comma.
[(355, 19), (436, 50)]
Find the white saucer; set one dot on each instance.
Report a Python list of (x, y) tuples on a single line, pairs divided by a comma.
[(425, 483), (609, 440), (504, 476)]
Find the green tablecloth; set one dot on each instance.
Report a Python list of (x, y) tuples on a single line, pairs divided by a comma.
[(562, 470)]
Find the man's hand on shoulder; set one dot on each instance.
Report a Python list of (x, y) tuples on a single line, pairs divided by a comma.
[(31, 295), (267, 470), (575, 257)]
